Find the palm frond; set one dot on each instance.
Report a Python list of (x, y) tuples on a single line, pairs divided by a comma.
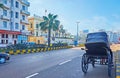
[(44, 25), (45, 18), (50, 16), (55, 16), (57, 22)]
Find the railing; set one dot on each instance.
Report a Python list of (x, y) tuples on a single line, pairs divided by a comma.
[(25, 2), (4, 17), (25, 32), (4, 5), (24, 21), (25, 12)]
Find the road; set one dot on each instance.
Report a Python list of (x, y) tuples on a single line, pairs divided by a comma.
[(65, 63)]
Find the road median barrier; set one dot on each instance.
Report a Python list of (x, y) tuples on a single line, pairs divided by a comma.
[(117, 63), (33, 50)]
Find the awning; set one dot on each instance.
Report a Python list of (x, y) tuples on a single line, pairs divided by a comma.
[(9, 32)]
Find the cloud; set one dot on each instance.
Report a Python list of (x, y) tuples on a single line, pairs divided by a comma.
[(116, 16), (96, 23)]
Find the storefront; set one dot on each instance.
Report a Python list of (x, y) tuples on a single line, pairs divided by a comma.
[(8, 37)]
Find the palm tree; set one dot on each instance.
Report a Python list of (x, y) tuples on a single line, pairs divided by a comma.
[(50, 23), (62, 30)]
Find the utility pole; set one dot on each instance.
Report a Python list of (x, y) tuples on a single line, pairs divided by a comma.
[(77, 30), (45, 12)]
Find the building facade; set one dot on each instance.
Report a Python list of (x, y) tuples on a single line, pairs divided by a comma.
[(114, 37), (13, 21), (37, 35)]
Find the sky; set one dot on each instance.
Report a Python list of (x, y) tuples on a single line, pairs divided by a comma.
[(92, 14)]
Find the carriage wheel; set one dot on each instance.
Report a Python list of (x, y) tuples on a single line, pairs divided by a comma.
[(109, 65), (84, 63)]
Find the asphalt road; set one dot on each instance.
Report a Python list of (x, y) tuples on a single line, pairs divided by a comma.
[(64, 63)]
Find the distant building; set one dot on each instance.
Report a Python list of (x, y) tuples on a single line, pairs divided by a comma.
[(82, 36), (37, 35), (114, 37)]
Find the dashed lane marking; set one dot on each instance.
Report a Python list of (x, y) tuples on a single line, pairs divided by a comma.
[(32, 75), (64, 62)]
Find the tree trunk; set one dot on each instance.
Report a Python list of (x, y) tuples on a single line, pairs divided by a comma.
[(49, 37)]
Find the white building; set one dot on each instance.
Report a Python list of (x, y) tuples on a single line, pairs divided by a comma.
[(13, 21), (114, 37)]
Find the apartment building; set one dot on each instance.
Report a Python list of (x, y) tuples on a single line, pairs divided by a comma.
[(13, 21)]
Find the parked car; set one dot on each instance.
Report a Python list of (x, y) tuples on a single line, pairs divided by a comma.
[(4, 57)]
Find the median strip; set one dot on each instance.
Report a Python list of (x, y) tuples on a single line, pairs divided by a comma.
[(32, 75), (64, 62)]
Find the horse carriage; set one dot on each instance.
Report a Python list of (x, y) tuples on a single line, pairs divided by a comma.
[(97, 47)]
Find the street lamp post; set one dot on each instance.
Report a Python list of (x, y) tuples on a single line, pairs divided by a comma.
[(77, 30)]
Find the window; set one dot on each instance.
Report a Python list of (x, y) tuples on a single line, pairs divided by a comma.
[(38, 41), (6, 35), (16, 36), (17, 4), (5, 12), (23, 17), (16, 15), (12, 3), (5, 1), (11, 14), (31, 25), (23, 7), (4, 24), (15, 41), (21, 41), (12, 36), (16, 25), (36, 33), (37, 26), (6, 41), (3, 35), (11, 26), (23, 27), (2, 41)]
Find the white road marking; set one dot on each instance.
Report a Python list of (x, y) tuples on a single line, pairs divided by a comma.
[(64, 62), (32, 75)]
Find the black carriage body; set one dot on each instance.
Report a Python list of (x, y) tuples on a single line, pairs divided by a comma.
[(97, 43), (97, 47)]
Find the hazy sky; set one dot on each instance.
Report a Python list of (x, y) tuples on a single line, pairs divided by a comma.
[(92, 14)]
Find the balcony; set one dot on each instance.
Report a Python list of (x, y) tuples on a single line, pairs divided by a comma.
[(5, 17), (25, 32), (5, 6), (25, 12), (24, 22), (25, 2)]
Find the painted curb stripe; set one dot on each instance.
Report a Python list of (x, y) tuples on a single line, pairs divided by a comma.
[(117, 76)]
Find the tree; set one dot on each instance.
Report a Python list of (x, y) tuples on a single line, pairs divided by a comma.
[(50, 23), (62, 30)]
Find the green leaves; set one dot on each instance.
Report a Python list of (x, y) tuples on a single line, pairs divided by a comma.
[(45, 18), (50, 23), (44, 26)]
